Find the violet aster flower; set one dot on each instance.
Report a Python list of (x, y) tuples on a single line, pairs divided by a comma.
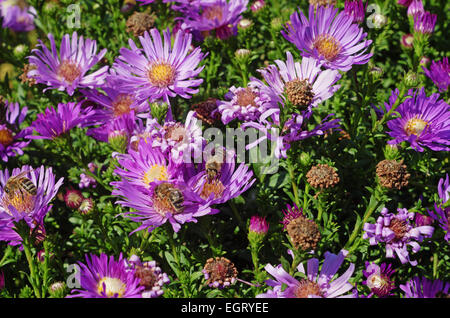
[(162, 70), (22, 205), (439, 73), (329, 37), (424, 22), (17, 15), (67, 71), (144, 166), (422, 287), (162, 202), (125, 124), (12, 138), (151, 277), (291, 213), (314, 283), (304, 84), (441, 213), (224, 183), (378, 279), (220, 16), (397, 232), (423, 122), (56, 122), (104, 277), (246, 104), (183, 141), (356, 10)]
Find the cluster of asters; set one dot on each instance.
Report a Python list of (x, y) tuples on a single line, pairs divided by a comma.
[(168, 175)]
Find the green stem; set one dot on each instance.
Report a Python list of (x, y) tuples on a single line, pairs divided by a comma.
[(435, 265), (177, 260), (45, 277), (31, 265), (293, 181), (236, 213)]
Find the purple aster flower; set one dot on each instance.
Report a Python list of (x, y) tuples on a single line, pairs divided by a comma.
[(56, 122), (220, 16), (67, 71), (356, 10), (87, 181), (439, 73), (145, 165), (378, 279), (415, 6), (162, 70), (151, 277), (314, 283), (246, 104), (104, 277), (441, 213), (226, 180), (423, 122), (304, 84), (21, 205), (183, 141), (12, 138), (329, 37), (424, 288), (163, 201), (397, 232), (17, 15), (424, 22), (125, 125)]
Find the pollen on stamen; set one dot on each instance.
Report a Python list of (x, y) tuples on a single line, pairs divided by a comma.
[(327, 46), (155, 173), (161, 74), (213, 13), (212, 187), (69, 71), (121, 105), (246, 97), (415, 126)]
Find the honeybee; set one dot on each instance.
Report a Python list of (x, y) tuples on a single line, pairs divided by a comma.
[(214, 164), (19, 184), (166, 191)]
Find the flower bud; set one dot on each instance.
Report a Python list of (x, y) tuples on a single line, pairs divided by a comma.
[(257, 6), (20, 51), (159, 111), (379, 20), (245, 24), (376, 72), (391, 152), (86, 206), (407, 41), (73, 198), (257, 230), (118, 140), (57, 290), (411, 79)]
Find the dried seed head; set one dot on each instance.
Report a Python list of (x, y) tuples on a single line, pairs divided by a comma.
[(219, 272), (299, 92), (304, 233), (146, 276), (139, 22), (392, 174), (322, 176), (206, 111)]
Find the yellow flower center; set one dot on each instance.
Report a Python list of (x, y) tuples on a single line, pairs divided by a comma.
[(415, 126), (121, 105), (155, 173), (68, 71), (327, 46), (112, 287), (161, 74), (6, 137)]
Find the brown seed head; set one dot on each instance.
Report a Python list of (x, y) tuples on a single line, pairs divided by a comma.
[(299, 92), (220, 270), (205, 111), (322, 176), (139, 22), (304, 233), (392, 174)]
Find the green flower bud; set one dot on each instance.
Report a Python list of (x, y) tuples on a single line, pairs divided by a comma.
[(159, 111)]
